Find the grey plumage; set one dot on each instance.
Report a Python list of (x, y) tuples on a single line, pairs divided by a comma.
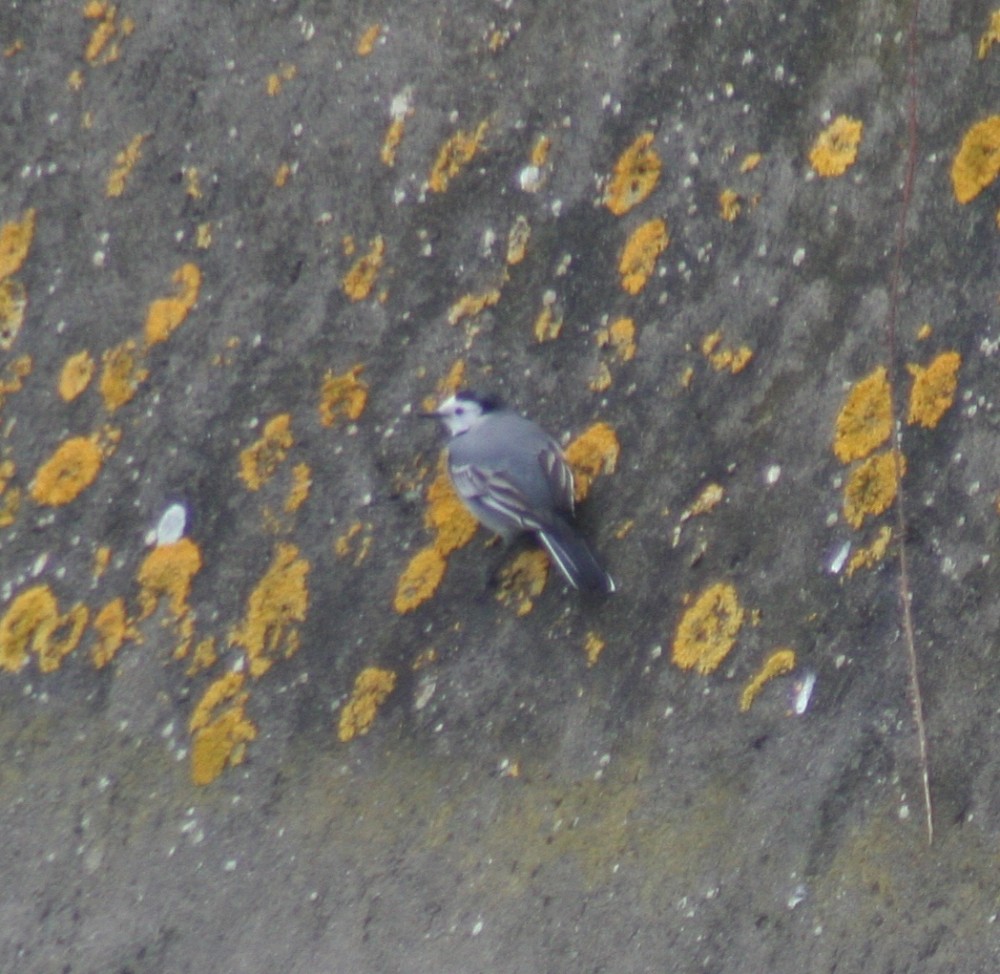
[(513, 477)]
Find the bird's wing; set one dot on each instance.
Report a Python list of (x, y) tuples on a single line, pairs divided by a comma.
[(559, 475), (495, 492)]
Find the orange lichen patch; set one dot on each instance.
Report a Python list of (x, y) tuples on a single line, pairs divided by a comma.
[(420, 579), (121, 376), (933, 389), (424, 658), (452, 382), (640, 254), (865, 420), (710, 496), (165, 315), (103, 47), (634, 177), (219, 739), (872, 487), (871, 556), (517, 240), (204, 657), (924, 332), (456, 153), (342, 396), (203, 236), (168, 571), (781, 661), (367, 41), (125, 162), (74, 80), (15, 242), (280, 600), (192, 182), (360, 279), (548, 324), (27, 623), (836, 147), (470, 305), (63, 639), (393, 137), (261, 459), (593, 646), (708, 629), (77, 371), (281, 174), (371, 688), (619, 335), (344, 545), (977, 162), (71, 469), (593, 453), (113, 628), (276, 80), (540, 150), (523, 580), (990, 36), (18, 370), (750, 162), (14, 47), (13, 301), (446, 515), (600, 381), (729, 205), (301, 482), (722, 359)]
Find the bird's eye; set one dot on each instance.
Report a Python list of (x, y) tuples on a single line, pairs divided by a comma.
[(459, 410)]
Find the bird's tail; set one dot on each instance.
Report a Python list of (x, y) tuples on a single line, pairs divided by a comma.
[(575, 559)]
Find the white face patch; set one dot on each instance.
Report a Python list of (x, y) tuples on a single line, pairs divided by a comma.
[(459, 414)]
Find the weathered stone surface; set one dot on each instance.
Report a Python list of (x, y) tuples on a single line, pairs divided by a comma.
[(510, 808)]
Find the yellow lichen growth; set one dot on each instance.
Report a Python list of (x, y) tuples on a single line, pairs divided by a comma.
[(635, 176), (836, 147), (167, 571), (77, 371), (642, 249), (15, 242), (10, 497), (600, 381), (278, 602), (299, 492), (872, 487), (219, 739), (204, 657), (360, 279), (924, 332), (343, 545), (781, 661), (342, 396), (113, 628), (454, 155), (548, 324), (367, 41), (393, 137), (593, 646), (452, 382), (933, 389), (420, 579), (865, 420), (523, 580), (708, 629), (71, 469), (261, 459), (446, 515), (729, 205), (13, 301), (873, 554), (734, 360), (70, 627), (165, 314), (281, 174), (990, 36), (203, 236), (192, 182), (709, 497), (27, 623), (18, 371), (102, 46), (125, 162), (540, 150), (276, 80), (74, 80), (593, 453), (517, 240), (977, 162), (750, 162), (469, 305), (619, 335), (371, 688), (122, 375), (14, 47)]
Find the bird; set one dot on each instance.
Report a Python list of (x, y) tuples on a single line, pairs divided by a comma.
[(513, 478)]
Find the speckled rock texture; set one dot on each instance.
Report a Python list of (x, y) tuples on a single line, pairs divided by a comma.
[(234, 207)]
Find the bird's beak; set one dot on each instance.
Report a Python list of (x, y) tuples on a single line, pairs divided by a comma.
[(431, 415)]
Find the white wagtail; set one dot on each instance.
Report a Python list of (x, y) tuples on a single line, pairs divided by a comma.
[(513, 477)]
